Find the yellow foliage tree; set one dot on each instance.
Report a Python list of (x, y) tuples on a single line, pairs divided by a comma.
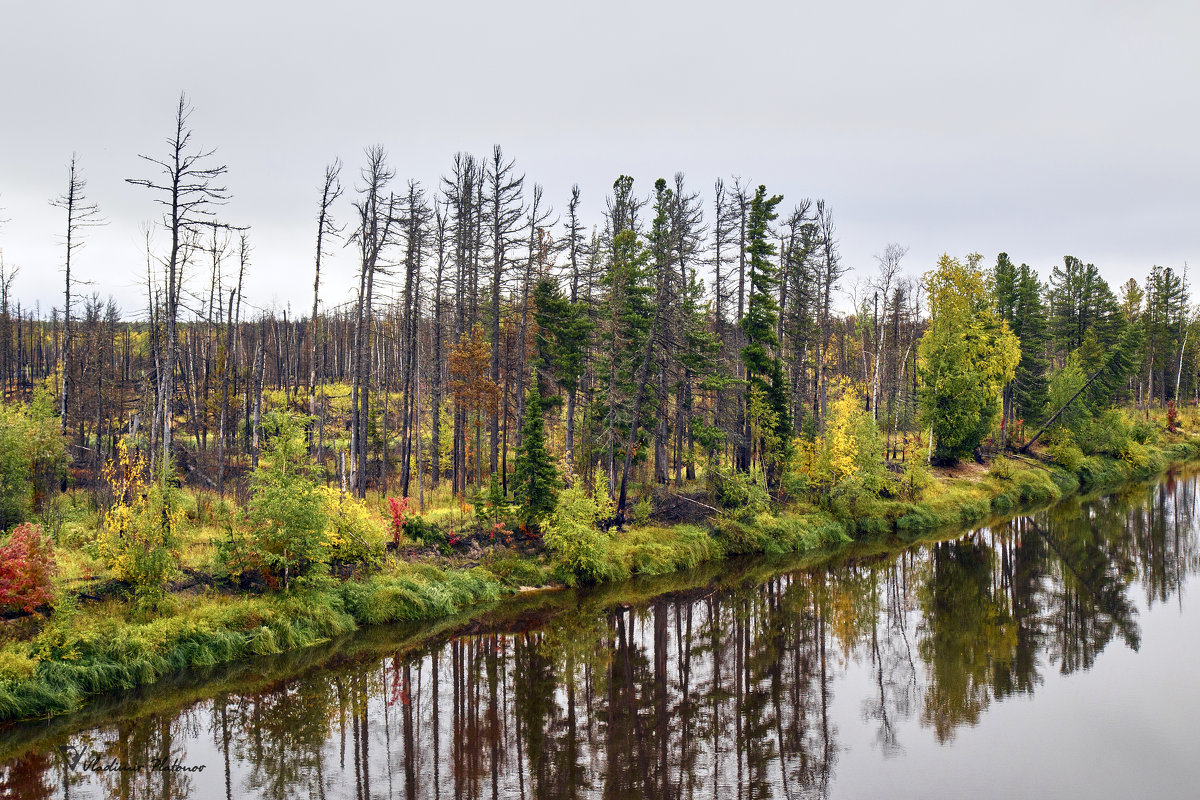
[(851, 451), (840, 441), (138, 541)]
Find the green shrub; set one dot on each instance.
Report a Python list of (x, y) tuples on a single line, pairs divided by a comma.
[(739, 492), (287, 514), (583, 552), (16, 663), (515, 571), (915, 479), (663, 550), (1001, 469), (1066, 454), (139, 540), (420, 530), (416, 593), (33, 457)]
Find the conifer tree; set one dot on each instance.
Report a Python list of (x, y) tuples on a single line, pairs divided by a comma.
[(629, 318), (1018, 302), (764, 370), (535, 478), (563, 331), (1080, 299)]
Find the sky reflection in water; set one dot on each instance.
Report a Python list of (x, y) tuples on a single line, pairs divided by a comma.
[(1050, 656)]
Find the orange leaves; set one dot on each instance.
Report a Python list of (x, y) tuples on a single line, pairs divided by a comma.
[(473, 389), (27, 568)]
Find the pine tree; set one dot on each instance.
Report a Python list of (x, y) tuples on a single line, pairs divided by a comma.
[(1019, 303), (563, 329), (1163, 330), (535, 478), (629, 310), (1079, 300), (764, 371)]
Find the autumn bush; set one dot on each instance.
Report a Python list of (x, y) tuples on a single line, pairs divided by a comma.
[(355, 534), (139, 538), (850, 460), (27, 569)]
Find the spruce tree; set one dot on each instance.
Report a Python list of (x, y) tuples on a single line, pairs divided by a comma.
[(1080, 299), (1018, 294), (765, 384), (563, 330), (629, 313), (535, 478)]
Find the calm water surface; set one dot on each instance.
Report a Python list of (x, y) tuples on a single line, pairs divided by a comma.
[(1057, 655)]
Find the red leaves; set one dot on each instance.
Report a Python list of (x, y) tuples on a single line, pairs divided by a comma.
[(399, 509), (27, 567)]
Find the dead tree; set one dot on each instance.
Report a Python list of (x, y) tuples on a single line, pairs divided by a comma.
[(504, 209), (375, 233), (885, 279), (81, 214), (441, 213), (331, 190), (416, 220), (829, 271), (186, 186)]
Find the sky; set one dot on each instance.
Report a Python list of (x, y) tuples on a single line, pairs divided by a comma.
[(1036, 128)]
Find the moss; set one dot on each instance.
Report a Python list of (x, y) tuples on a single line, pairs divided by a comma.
[(769, 534)]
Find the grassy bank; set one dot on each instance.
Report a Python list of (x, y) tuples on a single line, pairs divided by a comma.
[(85, 650)]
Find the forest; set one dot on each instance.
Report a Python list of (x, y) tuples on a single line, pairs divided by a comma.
[(512, 389)]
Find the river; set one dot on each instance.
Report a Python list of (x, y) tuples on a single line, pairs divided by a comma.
[(1054, 655)]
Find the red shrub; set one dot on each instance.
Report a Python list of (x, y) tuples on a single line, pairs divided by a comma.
[(26, 569), (400, 509)]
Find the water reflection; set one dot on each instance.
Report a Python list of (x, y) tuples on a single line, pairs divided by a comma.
[(740, 690)]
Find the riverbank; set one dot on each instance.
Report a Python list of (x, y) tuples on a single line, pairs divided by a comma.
[(104, 647)]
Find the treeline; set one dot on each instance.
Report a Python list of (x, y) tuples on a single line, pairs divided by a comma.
[(492, 336)]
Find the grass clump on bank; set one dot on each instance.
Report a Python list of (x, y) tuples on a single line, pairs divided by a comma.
[(80, 654)]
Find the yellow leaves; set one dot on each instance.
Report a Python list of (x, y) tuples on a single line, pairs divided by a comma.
[(354, 533), (807, 456), (955, 288), (137, 539), (839, 434)]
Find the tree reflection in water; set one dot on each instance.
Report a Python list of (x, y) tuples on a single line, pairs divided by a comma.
[(716, 691)]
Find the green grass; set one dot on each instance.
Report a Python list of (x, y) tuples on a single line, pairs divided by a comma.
[(109, 646), (81, 654), (658, 550)]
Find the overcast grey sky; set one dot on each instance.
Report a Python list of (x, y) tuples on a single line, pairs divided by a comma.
[(1038, 128)]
